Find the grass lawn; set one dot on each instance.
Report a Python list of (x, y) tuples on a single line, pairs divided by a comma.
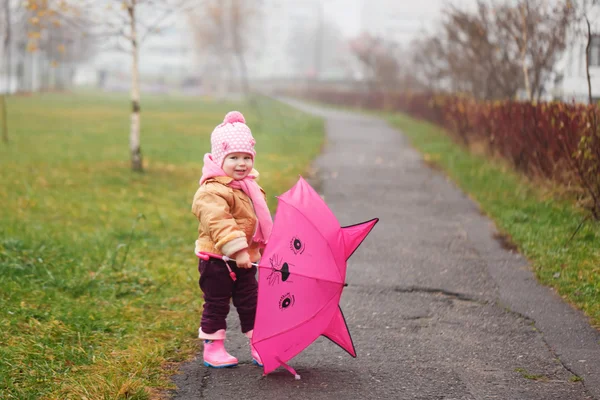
[(98, 280), (538, 224)]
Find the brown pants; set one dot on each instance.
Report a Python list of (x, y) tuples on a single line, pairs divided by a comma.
[(219, 289)]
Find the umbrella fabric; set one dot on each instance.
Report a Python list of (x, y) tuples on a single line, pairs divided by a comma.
[(301, 277)]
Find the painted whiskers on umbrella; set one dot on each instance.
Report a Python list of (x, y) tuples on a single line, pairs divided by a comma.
[(280, 270)]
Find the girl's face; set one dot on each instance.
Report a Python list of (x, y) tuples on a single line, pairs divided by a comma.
[(238, 165)]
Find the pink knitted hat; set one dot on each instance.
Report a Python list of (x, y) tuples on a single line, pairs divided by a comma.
[(232, 136)]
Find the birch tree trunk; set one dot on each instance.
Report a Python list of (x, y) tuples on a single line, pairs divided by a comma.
[(236, 13), (134, 134)]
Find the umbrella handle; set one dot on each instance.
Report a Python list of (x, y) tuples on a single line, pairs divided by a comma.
[(204, 255), (225, 258)]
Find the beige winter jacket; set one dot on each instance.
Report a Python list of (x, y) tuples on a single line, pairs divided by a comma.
[(226, 219)]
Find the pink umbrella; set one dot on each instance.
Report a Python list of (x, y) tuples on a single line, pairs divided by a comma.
[(301, 277)]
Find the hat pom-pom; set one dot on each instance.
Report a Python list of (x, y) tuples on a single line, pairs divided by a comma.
[(234, 116)]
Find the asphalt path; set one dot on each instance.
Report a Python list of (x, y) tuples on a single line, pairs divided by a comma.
[(437, 308)]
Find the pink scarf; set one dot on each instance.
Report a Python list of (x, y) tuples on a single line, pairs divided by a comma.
[(249, 186)]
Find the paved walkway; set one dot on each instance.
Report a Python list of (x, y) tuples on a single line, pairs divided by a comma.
[(437, 309)]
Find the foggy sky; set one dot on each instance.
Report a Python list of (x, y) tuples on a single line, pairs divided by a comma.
[(423, 13)]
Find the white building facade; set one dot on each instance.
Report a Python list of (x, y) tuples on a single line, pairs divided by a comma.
[(570, 81), (280, 18), (572, 84)]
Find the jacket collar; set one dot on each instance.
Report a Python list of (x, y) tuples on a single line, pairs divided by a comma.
[(225, 180)]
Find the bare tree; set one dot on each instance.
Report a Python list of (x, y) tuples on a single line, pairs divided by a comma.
[(497, 49), (127, 23), (524, 11), (430, 70), (7, 34), (227, 29), (539, 29), (6, 50), (134, 133), (380, 59), (210, 32), (468, 54), (244, 16)]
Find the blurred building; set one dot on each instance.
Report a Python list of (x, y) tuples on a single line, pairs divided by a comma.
[(304, 39), (281, 20), (570, 83), (390, 20)]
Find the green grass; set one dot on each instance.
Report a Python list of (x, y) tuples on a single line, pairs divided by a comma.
[(98, 281), (539, 224), (525, 374)]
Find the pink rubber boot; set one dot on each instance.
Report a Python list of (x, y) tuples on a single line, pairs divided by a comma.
[(216, 356), (255, 356)]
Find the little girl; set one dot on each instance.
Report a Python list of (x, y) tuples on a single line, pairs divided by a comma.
[(234, 220)]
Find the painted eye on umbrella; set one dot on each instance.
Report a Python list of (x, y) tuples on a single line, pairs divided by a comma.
[(286, 301), (297, 245)]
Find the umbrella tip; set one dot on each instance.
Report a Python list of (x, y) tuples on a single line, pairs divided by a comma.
[(297, 377)]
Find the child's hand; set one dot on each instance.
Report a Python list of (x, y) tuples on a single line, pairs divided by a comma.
[(242, 259)]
